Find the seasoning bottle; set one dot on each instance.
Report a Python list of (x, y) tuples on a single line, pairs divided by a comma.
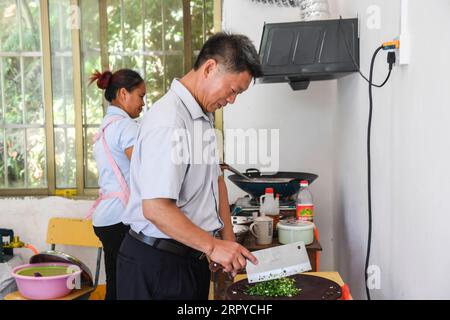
[(304, 203)]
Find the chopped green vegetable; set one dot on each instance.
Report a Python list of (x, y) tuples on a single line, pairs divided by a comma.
[(284, 287)]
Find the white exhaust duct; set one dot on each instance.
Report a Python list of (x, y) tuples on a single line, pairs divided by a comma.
[(314, 9), (309, 9), (280, 3)]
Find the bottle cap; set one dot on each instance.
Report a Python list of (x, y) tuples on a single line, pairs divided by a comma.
[(269, 190)]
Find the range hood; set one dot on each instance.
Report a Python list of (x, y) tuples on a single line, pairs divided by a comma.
[(300, 52)]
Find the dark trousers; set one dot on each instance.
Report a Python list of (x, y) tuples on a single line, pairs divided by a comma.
[(111, 238), (146, 273)]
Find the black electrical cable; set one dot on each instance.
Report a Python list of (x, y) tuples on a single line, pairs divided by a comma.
[(354, 60), (369, 171), (391, 61)]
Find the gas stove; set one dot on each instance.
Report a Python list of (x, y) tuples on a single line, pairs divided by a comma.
[(247, 205)]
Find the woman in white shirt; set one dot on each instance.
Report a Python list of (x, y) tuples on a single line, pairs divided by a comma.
[(125, 91)]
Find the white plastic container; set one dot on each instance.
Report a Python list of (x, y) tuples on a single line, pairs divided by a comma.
[(290, 231), (267, 203)]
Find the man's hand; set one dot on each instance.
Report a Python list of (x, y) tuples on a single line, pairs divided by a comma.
[(231, 256)]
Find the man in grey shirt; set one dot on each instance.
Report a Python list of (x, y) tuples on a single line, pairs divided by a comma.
[(178, 195)]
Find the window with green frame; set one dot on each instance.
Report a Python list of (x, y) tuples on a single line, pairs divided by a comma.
[(46, 139)]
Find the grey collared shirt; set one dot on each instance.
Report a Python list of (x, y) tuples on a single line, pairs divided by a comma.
[(175, 157)]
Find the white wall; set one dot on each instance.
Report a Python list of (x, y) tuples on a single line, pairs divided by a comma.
[(411, 156), (410, 146), (29, 217), (305, 118)]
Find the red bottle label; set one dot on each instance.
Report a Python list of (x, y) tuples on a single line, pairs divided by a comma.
[(305, 212)]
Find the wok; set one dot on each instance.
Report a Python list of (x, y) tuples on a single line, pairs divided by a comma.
[(284, 183)]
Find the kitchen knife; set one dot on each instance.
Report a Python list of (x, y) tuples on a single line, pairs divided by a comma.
[(278, 262)]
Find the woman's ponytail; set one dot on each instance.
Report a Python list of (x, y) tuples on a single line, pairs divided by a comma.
[(103, 79)]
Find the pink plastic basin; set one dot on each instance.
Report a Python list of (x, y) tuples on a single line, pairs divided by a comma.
[(43, 281)]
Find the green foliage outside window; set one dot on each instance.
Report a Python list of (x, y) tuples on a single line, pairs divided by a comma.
[(22, 144), (144, 35)]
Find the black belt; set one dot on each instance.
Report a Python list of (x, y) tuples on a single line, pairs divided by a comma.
[(168, 245)]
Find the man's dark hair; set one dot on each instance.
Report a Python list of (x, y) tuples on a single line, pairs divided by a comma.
[(234, 51)]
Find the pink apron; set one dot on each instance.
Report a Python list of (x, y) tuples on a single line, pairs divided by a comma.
[(124, 193)]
